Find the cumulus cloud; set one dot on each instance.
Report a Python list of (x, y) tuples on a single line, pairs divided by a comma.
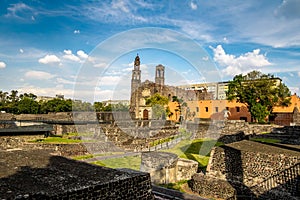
[(82, 54), (49, 59), (39, 75), (70, 56), (100, 65), (241, 64), (2, 65), (79, 57), (109, 80), (193, 5)]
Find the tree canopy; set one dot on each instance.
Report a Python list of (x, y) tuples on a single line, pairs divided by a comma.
[(158, 104), (259, 92), (16, 103)]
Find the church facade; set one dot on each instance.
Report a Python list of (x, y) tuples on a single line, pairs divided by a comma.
[(141, 91)]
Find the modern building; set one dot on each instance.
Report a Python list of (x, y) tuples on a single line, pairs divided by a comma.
[(116, 102), (47, 98)]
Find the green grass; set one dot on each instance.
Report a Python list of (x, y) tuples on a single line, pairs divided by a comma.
[(83, 157), (131, 162), (266, 140), (57, 140), (197, 150)]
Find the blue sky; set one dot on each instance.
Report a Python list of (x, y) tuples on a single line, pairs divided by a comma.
[(85, 49)]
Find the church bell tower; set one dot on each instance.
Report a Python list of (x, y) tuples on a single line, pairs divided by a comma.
[(160, 75), (136, 75), (135, 84)]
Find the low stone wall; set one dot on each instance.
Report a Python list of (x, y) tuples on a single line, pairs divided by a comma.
[(256, 170), (186, 169), (12, 143), (36, 174), (218, 128), (167, 167), (212, 187)]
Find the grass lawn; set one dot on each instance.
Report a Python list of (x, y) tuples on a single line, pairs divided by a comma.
[(197, 150), (131, 162), (57, 140)]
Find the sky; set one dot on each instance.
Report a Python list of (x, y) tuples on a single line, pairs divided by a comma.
[(85, 49)]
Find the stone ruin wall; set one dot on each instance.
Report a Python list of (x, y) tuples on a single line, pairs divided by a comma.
[(261, 174), (62, 178), (217, 129), (167, 168), (12, 143)]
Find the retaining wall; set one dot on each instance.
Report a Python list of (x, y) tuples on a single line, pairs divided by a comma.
[(256, 170)]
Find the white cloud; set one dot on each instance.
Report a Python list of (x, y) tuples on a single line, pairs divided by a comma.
[(49, 59), (64, 81), (2, 65), (100, 65), (15, 9), (76, 32), (70, 56), (193, 5), (21, 51), (242, 64), (76, 58), (121, 5), (109, 80), (47, 91), (82, 54), (39, 75)]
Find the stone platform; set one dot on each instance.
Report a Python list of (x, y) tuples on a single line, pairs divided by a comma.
[(37, 174)]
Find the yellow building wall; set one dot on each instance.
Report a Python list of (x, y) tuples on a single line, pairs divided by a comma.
[(295, 102), (214, 109)]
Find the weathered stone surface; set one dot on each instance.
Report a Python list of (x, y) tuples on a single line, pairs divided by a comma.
[(152, 161), (167, 167), (256, 170), (186, 169), (210, 186), (36, 174)]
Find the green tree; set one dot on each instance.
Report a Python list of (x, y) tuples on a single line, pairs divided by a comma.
[(120, 107), (3, 100), (158, 103), (79, 105), (11, 105), (98, 106), (56, 105), (28, 106), (259, 92)]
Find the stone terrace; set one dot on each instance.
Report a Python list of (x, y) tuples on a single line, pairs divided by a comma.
[(36, 174)]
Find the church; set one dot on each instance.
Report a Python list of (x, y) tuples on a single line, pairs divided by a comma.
[(140, 91)]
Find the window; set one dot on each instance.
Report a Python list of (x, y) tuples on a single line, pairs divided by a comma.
[(217, 109), (237, 109), (206, 109), (197, 109)]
